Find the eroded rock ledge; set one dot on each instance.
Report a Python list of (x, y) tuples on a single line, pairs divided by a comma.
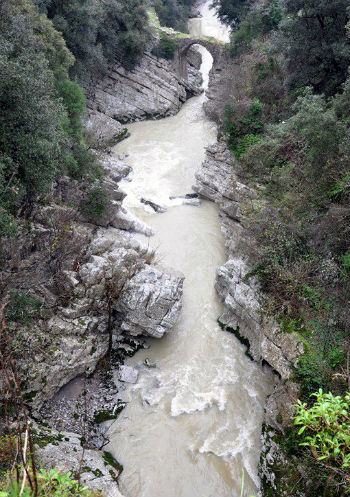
[(151, 90), (76, 269), (218, 180), (89, 279)]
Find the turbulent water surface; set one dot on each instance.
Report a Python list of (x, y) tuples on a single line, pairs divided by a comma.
[(192, 423)]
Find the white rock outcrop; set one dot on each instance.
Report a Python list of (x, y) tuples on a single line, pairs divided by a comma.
[(150, 91), (151, 301), (217, 179)]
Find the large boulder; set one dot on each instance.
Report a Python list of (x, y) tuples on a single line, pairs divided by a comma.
[(97, 469), (150, 302)]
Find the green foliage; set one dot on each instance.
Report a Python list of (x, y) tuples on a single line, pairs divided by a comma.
[(124, 31), (41, 131), (231, 11), (325, 427), (346, 261), (22, 308), (257, 23), (74, 101), (99, 33), (316, 122), (313, 371), (31, 124), (165, 48), (317, 49), (95, 203), (51, 483), (304, 158), (242, 130), (340, 188), (8, 450), (174, 13), (8, 224), (295, 61)]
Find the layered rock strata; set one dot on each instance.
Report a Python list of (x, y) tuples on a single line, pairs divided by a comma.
[(150, 91), (217, 180), (80, 273)]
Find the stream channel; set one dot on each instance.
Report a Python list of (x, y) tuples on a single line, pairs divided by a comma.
[(193, 423)]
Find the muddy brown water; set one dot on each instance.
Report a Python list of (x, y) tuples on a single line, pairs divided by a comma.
[(193, 423)]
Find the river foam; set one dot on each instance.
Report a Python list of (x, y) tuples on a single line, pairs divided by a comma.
[(192, 423)]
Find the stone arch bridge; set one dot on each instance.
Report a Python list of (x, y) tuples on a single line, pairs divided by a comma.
[(216, 49)]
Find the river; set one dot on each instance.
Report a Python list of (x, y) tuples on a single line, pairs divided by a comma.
[(193, 423)]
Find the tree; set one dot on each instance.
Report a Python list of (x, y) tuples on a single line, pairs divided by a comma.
[(31, 121), (174, 13), (100, 32), (316, 46), (231, 11), (123, 31), (41, 110)]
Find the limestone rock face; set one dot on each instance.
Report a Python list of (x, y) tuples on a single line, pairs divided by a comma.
[(128, 374), (104, 130), (218, 179), (151, 301), (66, 456), (74, 269), (150, 90)]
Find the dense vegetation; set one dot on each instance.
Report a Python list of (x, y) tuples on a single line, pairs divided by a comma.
[(288, 123), (44, 45), (174, 13), (50, 483), (99, 32), (41, 108)]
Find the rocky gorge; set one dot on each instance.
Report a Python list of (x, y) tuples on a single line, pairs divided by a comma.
[(93, 288), (88, 284), (245, 312)]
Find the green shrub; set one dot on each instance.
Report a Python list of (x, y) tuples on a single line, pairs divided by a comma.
[(242, 130), (8, 451), (165, 48), (8, 224), (99, 33), (245, 142), (22, 308), (258, 22), (95, 203), (41, 131), (316, 45), (325, 428), (174, 13), (51, 483), (346, 261)]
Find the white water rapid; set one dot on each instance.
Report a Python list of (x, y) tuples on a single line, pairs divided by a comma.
[(192, 423)]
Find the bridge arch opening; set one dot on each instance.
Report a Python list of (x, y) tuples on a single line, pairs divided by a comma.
[(182, 52)]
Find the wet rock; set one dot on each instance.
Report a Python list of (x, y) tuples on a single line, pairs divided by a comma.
[(156, 207), (104, 130), (150, 90), (66, 456), (149, 363), (186, 196), (128, 374), (151, 301), (68, 266), (187, 199), (192, 201), (218, 179)]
